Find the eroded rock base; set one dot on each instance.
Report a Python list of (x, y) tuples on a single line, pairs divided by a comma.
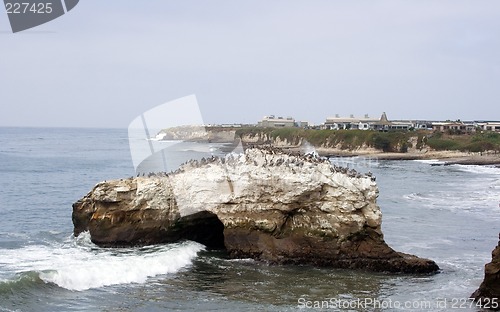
[(488, 294)]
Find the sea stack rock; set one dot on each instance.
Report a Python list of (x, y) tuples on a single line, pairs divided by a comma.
[(264, 204), (488, 294)]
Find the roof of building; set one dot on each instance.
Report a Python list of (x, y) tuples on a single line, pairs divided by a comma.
[(349, 119), (383, 120)]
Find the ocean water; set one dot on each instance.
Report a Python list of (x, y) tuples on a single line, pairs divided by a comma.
[(450, 214)]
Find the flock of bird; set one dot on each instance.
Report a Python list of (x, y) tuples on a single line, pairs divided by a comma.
[(290, 159)]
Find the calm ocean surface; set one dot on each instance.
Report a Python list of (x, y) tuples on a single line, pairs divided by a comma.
[(449, 214)]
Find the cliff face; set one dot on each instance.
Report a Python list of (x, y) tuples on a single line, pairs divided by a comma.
[(262, 204), (488, 293), (198, 133)]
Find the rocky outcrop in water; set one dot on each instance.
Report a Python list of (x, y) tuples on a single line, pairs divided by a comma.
[(262, 204), (488, 294)]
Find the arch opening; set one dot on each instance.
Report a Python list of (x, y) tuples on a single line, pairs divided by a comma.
[(203, 227)]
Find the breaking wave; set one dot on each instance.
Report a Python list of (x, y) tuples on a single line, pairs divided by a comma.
[(77, 264), (429, 161), (490, 170)]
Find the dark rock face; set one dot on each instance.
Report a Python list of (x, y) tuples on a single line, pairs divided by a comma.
[(488, 294), (113, 223), (266, 205), (368, 253)]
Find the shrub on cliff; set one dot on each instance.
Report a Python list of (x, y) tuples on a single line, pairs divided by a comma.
[(443, 144), (382, 142), (391, 141), (385, 141), (319, 137), (479, 142)]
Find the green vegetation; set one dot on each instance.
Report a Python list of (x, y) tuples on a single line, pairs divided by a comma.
[(479, 142), (384, 141), (345, 139), (440, 142)]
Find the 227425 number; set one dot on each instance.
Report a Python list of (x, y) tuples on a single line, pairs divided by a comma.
[(25, 7)]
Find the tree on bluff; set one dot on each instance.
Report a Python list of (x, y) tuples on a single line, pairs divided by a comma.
[(382, 143)]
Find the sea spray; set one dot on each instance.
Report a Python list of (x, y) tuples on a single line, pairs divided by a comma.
[(78, 265)]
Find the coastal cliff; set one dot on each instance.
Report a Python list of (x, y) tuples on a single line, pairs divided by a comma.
[(402, 145), (488, 293), (264, 204), (469, 149), (198, 133)]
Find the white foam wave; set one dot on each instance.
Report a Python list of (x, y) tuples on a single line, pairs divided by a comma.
[(243, 260), (429, 161), (415, 196), (483, 203), (77, 266), (478, 169)]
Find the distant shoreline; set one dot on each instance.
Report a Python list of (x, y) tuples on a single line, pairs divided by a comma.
[(446, 157), (478, 149)]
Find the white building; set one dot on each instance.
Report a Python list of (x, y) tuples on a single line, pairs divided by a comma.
[(276, 122), (489, 125), (343, 123)]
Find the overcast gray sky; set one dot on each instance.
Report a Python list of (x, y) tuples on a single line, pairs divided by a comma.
[(106, 62)]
